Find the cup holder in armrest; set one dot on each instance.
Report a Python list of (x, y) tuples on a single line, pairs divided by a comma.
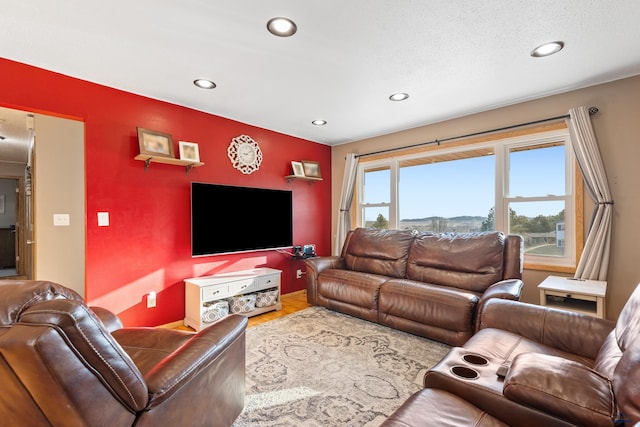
[(475, 359), (464, 372)]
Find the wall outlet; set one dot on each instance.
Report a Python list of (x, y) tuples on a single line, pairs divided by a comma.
[(298, 274), (151, 299)]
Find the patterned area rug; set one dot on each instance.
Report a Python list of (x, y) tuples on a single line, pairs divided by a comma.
[(317, 367)]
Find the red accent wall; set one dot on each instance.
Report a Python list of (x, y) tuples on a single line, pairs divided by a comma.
[(147, 245)]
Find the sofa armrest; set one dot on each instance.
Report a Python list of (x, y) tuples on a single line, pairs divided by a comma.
[(314, 268), (216, 350), (109, 319), (505, 289), (548, 326), (564, 388)]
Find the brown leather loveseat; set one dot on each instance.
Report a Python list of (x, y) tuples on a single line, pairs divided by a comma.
[(60, 365), (535, 366), (428, 284)]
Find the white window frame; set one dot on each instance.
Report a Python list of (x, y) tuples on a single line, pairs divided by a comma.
[(393, 192), (500, 149)]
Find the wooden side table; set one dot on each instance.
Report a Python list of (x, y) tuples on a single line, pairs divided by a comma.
[(582, 296)]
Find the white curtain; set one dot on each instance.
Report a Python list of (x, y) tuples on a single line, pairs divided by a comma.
[(594, 260), (346, 197)]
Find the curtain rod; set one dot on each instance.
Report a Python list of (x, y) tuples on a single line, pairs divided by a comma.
[(592, 111)]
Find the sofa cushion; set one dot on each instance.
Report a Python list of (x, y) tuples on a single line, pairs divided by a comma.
[(503, 345), (436, 306), (608, 356), (381, 252), (77, 326), (626, 375), (564, 388), (626, 383), (471, 261), (547, 326), (430, 407), (628, 323), (353, 287), (19, 295)]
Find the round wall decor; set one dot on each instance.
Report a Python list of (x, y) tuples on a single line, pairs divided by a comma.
[(245, 154)]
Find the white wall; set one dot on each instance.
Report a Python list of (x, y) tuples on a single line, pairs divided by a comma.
[(59, 188)]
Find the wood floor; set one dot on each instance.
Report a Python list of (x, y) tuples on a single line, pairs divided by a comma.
[(291, 303)]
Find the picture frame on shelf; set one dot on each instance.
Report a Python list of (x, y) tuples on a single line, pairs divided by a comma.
[(189, 151), (154, 143), (311, 169), (298, 169)]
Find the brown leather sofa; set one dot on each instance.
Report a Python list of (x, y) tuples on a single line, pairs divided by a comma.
[(428, 284), (535, 366), (60, 365)]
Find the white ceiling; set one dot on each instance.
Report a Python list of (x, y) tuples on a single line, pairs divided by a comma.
[(453, 57)]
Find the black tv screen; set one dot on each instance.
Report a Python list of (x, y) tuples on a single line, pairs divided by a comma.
[(226, 219)]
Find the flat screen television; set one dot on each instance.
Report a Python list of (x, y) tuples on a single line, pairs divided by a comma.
[(228, 219)]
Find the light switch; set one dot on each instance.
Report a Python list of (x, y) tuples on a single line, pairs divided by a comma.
[(60, 220), (103, 219)]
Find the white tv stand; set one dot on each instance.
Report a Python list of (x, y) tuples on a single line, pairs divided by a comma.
[(201, 290)]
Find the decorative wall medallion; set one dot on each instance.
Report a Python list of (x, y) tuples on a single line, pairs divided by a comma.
[(245, 154)]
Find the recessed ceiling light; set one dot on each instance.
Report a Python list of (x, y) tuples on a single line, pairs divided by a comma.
[(398, 96), (547, 49), (319, 122), (281, 27), (204, 84)]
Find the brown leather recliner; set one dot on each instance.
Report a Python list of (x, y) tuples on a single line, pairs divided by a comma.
[(531, 366), (61, 365)]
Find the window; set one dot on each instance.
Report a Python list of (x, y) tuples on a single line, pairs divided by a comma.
[(522, 185), (376, 201), (447, 192), (538, 197)]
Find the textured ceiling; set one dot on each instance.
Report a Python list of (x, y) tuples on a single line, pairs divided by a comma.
[(453, 57)]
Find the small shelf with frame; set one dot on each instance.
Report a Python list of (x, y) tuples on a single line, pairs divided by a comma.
[(148, 159), (305, 170), (157, 147), (311, 180)]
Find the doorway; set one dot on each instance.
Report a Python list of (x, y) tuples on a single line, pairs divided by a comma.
[(16, 143), (14, 243), (50, 175)]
